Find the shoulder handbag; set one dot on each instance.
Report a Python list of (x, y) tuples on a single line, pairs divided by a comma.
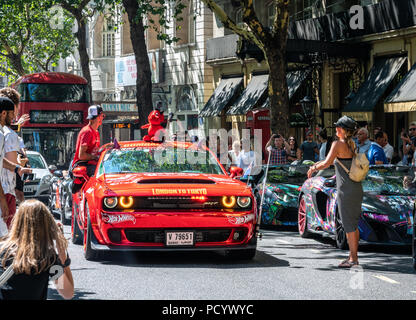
[(359, 167)]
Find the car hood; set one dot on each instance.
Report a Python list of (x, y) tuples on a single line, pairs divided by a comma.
[(173, 184), (398, 207)]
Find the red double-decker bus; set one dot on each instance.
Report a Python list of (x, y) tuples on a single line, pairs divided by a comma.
[(58, 105)]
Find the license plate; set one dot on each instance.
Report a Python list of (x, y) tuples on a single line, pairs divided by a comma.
[(27, 189), (179, 238)]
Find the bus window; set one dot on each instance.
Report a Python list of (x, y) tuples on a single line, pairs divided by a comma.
[(53, 92)]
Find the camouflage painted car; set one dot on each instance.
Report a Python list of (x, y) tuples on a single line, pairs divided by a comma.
[(280, 203), (387, 207)]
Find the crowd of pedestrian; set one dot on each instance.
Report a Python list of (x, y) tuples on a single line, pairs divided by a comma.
[(31, 242)]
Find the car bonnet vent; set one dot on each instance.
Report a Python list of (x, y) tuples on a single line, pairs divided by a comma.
[(176, 181)]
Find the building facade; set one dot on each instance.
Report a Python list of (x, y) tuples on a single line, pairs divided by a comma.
[(180, 76), (365, 73)]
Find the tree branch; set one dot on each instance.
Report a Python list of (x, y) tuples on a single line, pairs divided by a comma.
[(230, 24)]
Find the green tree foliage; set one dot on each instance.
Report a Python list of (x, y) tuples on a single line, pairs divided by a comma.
[(33, 36)]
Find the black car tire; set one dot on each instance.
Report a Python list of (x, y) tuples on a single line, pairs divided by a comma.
[(340, 235), (76, 235), (64, 220), (89, 253)]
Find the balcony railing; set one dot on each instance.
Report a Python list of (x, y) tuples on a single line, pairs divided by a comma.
[(222, 47)]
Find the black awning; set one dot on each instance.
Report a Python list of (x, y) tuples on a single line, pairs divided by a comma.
[(403, 97), (381, 74), (251, 95), (258, 85), (223, 94)]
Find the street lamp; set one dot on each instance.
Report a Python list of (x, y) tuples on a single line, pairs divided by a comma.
[(308, 106)]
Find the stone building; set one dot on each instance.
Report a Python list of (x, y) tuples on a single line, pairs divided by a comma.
[(365, 73), (180, 76)]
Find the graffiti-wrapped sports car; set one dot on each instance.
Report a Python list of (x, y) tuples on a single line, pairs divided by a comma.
[(387, 206), (281, 193), (163, 196)]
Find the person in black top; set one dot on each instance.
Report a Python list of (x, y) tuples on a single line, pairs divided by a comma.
[(29, 247)]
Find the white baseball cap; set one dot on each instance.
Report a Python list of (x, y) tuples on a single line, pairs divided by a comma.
[(94, 111)]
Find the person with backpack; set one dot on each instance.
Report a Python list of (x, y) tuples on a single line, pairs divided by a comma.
[(349, 192)]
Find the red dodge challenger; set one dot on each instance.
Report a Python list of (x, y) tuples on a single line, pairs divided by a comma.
[(163, 196)]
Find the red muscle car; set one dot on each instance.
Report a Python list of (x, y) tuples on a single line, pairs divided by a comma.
[(163, 196)]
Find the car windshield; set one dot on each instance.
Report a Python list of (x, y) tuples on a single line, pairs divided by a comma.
[(161, 159), (390, 180), (36, 162), (288, 174)]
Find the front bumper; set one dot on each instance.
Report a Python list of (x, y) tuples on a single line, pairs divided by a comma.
[(146, 231)]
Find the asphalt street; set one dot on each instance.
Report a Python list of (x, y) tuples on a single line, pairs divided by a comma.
[(285, 267)]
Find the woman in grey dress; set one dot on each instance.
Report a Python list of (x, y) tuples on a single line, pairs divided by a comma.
[(349, 193)]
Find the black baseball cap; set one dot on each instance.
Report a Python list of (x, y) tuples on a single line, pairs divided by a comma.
[(6, 104), (346, 123)]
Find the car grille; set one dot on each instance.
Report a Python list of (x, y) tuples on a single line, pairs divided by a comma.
[(177, 203), (158, 235), (289, 215)]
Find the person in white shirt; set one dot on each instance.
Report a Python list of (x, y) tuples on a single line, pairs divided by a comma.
[(6, 105), (388, 149), (10, 148)]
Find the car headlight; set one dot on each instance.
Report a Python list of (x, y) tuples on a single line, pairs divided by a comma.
[(228, 201), (126, 202), (111, 202), (244, 202)]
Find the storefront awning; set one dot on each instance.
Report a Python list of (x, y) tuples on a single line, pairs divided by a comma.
[(251, 95), (403, 97), (381, 74), (222, 95), (258, 85)]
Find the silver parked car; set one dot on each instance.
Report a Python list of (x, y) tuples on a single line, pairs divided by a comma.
[(37, 184)]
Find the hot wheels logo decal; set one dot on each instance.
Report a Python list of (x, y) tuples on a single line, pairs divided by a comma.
[(241, 220), (119, 218)]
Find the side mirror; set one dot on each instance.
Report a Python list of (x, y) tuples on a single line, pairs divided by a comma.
[(330, 183), (52, 168), (236, 172), (58, 174), (80, 172)]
